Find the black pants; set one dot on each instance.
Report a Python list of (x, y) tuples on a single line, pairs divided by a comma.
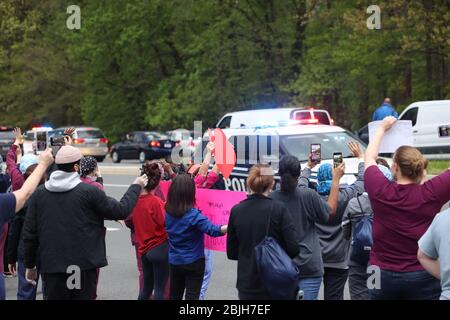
[(187, 277), (357, 282), (334, 283), (155, 269), (56, 287)]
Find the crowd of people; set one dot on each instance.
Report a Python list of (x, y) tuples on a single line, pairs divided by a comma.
[(388, 219)]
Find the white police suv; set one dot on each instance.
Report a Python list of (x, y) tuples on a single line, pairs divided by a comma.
[(269, 144)]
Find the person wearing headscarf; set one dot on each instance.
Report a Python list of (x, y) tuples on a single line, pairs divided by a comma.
[(90, 173), (334, 246), (358, 208)]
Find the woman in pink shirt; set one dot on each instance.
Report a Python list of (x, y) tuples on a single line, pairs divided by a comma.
[(403, 210)]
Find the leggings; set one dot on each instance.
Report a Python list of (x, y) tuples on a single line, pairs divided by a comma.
[(155, 267)]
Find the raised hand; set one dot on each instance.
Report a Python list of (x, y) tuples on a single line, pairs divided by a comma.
[(46, 157), (142, 180), (339, 172), (387, 123), (18, 135), (355, 149)]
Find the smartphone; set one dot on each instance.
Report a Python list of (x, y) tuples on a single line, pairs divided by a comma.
[(337, 159), (41, 141), (57, 141), (316, 153)]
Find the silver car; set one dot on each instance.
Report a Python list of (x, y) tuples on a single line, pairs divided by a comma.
[(89, 140)]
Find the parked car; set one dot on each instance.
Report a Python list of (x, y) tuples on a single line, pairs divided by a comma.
[(142, 145), (91, 141), (185, 139), (6, 139)]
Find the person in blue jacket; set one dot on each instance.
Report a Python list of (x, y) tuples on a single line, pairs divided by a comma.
[(385, 110), (186, 226)]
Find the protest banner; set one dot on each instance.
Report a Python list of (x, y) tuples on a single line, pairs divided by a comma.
[(216, 206)]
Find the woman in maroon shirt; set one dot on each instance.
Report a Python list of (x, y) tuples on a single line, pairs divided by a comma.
[(151, 236), (403, 211)]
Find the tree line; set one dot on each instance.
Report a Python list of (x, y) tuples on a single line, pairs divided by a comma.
[(162, 64)]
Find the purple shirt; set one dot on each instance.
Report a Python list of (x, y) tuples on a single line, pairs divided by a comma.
[(17, 179), (402, 214)]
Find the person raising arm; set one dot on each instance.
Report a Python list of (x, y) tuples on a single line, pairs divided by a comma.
[(374, 146), (10, 203)]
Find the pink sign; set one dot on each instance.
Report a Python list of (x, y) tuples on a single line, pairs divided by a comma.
[(216, 206)]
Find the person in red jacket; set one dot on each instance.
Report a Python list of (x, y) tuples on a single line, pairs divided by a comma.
[(151, 236)]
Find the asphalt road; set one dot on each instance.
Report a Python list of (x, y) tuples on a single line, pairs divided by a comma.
[(119, 280)]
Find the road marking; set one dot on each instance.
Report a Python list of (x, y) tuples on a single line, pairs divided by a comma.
[(116, 185), (112, 229)]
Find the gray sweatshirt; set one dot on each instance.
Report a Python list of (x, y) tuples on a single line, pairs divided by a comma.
[(352, 215), (334, 246)]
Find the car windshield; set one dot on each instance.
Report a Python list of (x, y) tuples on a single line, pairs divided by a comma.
[(90, 134), (6, 135), (300, 145)]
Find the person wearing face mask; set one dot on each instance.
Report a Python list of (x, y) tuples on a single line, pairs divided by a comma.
[(64, 228)]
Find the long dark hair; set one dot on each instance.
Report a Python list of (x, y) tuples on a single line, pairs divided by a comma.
[(181, 196), (289, 171)]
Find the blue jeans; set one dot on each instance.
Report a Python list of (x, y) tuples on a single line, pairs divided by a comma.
[(310, 287), (208, 273), (417, 285), (25, 290)]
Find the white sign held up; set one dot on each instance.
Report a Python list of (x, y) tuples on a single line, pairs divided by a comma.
[(401, 134)]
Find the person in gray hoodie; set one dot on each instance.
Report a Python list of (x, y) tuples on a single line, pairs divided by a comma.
[(64, 229), (334, 246), (357, 208)]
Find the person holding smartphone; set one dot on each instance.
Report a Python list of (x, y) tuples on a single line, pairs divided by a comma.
[(334, 246)]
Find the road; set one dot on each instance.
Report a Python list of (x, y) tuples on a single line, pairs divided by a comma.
[(119, 280)]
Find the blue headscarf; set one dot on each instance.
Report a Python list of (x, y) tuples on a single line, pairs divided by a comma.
[(324, 179), (387, 173), (26, 161)]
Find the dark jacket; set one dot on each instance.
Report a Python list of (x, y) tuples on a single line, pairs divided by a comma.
[(65, 220), (247, 228), (14, 246)]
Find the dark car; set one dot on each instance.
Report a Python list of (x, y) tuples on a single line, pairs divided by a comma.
[(142, 145), (6, 140), (363, 134)]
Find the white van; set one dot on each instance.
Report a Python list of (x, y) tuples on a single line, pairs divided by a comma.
[(431, 127), (273, 117)]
